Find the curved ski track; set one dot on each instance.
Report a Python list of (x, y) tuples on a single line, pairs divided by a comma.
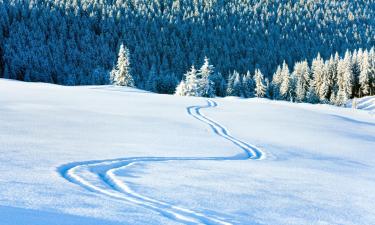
[(100, 176)]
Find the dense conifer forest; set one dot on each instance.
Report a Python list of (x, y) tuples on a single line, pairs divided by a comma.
[(76, 42)]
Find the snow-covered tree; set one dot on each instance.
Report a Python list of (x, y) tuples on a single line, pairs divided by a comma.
[(121, 74), (260, 87), (276, 83), (205, 84), (318, 72), (302, 75), (364, 76), (286, 88), (235, 85), (181, 89), (344, 79), (248, 85), (191, 82)]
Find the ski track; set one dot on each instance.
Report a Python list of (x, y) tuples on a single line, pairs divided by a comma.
[(99, 176)]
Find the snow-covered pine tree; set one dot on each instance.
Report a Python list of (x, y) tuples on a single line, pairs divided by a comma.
[(276, 83), (205, 84), (372, 70), (325, 86), (191, 82), (121, 74), (302, 76), (332, 76), (286, 83), (356, 71), (344, 79), (181, 89), (230, 85), (311, 95), (364, 76), (317, 70), (248, 85), (235, 87), (260, 87)]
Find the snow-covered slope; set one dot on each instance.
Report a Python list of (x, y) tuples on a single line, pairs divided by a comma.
[(110, 155), (364, 103)]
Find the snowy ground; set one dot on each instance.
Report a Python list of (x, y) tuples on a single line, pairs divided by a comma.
[(108, 155), (365, 103)]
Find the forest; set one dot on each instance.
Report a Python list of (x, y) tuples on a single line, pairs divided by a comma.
[(76, 42)]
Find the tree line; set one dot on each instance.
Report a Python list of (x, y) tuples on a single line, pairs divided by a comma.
[(332, 81)]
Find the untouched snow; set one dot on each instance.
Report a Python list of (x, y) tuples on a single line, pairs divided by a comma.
[(364, 103), (110, 155)]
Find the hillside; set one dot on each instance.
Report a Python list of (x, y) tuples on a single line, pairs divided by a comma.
[(109, 155)]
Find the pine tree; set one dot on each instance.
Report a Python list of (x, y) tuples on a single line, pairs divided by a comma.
[(260, 87), (364, 76), (205, 84), (121, 74), (372, 70), (230, 85), (276, 83), (191, 82), (181, 89), (317, 70), (344, 79), (286, 84), (356, 71), (248, 85), (235, 85), (325, 85), (302, 75)]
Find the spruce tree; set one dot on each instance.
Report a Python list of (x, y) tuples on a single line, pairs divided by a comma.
[(317, 70), (286, 83), (302, 75), (260, 87), (205, 84), (121, 74), (344, 79), (248, 85), (364, 76), (276, 83), (191, 82)]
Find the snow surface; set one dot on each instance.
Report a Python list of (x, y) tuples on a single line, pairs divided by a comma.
[(111, 155), (364, 103)]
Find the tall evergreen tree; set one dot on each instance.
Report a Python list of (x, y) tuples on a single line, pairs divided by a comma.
[(121, 74), (302, 76), (205, 84), (260, 87), (344, 79), (364, 76), (286, 84), (317, 69), (276, 83), (248, 85)]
